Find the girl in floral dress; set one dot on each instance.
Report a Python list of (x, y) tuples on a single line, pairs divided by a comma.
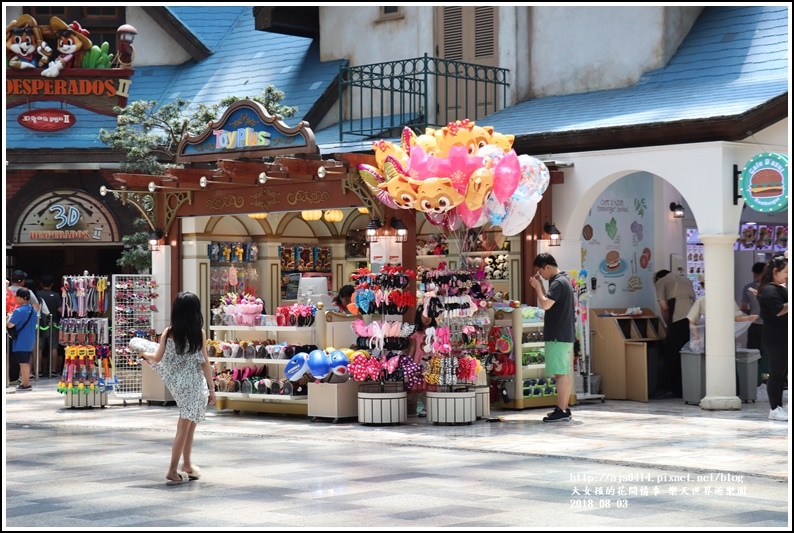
[(181, 361)]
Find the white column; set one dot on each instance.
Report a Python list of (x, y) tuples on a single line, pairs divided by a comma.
[(720, 341), (161, 273)]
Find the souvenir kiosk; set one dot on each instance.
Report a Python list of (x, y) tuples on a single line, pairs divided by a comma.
[(276, 170)]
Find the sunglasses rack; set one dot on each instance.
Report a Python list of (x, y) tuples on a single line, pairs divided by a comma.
[(133, 316)]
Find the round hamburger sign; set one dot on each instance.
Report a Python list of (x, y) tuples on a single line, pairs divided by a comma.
[(764, 183)]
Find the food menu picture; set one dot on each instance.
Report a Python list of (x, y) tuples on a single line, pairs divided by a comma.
[(764, 239), (781, 239), (695, 266), (748, 235)]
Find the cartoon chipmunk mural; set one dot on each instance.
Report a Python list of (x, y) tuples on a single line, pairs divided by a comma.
[(72, 43), (25, 44)]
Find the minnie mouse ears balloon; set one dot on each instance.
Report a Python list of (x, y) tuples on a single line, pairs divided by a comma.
[(297, 366)]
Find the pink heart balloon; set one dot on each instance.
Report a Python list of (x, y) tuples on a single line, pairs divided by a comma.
[(507, 173)]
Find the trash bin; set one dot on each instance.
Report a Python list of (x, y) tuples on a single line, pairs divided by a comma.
[(693, 376), (747, 373)]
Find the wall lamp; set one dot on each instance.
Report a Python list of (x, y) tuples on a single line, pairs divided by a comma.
[(103, 191), (154, 239), (402, 230), (372, 230), (203, 181), (554, 233), (153, 187), (677, 209)]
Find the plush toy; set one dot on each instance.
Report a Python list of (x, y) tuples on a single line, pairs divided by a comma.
[(25, 44), (72, 43)]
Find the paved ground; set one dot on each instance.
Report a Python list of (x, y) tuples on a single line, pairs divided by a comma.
[(616, 465)]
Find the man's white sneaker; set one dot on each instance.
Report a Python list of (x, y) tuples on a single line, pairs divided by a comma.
[(778, 414)]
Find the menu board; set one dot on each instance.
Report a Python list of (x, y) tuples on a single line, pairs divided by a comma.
[(781, 239), (763, 238)]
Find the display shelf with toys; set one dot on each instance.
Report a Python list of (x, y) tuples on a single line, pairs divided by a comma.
[(524, 386), (87, 372), (253, 372), (381, 364), (454, 374), (133, 316), (232, 268), (297, 259), (87, 375)]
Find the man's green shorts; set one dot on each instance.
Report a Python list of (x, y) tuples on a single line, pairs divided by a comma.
[(559, 357)]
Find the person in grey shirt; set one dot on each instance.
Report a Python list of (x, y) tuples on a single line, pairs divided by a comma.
[(751, 306)]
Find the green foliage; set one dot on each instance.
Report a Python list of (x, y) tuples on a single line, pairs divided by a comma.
[(136, 254), (97, 57), (150, 133)]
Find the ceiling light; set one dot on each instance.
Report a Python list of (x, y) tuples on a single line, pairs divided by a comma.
[(312, 214)]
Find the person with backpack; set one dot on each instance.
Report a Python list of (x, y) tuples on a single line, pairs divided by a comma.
[(23, 339)]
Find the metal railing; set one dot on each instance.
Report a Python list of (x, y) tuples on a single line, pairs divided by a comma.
[(386, 97)]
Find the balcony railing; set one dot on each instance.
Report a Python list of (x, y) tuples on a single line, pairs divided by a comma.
[(383, 98)]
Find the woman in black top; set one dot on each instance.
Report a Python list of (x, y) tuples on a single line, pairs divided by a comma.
[(773, 300)]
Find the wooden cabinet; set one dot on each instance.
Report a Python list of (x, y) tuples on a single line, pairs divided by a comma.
[(626, 349)]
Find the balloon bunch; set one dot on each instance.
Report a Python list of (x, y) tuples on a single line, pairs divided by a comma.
[(460, 174)]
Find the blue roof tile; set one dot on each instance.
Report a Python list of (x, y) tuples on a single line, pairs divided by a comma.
[(733, 60), (244, 61)]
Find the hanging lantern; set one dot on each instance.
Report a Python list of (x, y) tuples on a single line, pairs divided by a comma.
[(313, 214), (257, 216), (334, 215)]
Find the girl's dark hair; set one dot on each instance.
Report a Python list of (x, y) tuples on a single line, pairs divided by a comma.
[(660, 274), (345, 292), (776, 263), (418, 319), (187, 323)]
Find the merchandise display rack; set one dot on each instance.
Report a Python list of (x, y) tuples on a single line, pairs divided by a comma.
[(87, 373), (263, 403), (133, 316)]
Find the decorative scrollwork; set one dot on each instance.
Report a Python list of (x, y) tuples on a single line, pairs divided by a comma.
[(304, 196), (264, 198), (227, 201)]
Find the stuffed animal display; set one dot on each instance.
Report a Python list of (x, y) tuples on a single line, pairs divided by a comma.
[(25, 46)]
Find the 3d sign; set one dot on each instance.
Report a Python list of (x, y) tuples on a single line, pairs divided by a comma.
[(66, 216), (764, 183)]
